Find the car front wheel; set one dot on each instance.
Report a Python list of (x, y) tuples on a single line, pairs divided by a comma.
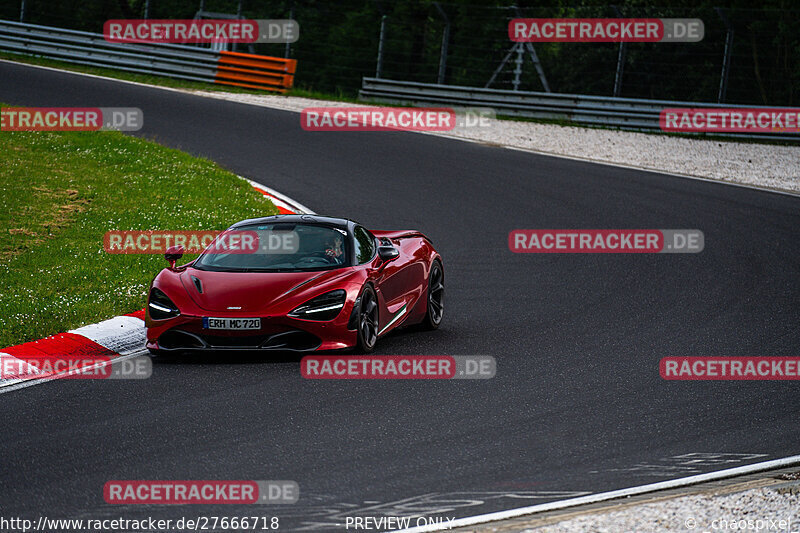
[(435, 296), (368, 320)]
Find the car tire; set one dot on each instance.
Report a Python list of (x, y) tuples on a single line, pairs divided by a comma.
[(435, 296), (367, 320)]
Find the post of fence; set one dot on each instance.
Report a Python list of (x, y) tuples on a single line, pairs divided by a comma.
[(620, 59), (445, 41), (22, 11), (379, 68), (518, 66), (726, 59), (534, 57), (287, 49)]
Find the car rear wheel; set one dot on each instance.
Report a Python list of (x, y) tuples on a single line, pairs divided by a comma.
[(435, 296), (368, 320)]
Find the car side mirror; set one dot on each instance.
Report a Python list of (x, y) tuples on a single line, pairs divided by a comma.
[(173, 254), (387, 253)]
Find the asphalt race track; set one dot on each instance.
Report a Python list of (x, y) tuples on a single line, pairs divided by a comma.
[(577, 404)]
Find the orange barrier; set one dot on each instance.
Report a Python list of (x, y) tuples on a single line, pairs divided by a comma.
[(255, 72)]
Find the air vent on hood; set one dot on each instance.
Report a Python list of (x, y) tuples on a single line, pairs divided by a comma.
[(198, 284)]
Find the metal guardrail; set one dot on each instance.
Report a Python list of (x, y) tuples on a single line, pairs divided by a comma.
[(624, 113), (170, 60)]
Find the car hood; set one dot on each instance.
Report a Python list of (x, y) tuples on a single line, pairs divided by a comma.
[(253, 291)]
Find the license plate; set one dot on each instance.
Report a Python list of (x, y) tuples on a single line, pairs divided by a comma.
[(231, 323)]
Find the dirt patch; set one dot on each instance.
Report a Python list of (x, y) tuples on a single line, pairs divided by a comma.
[(60, 207)]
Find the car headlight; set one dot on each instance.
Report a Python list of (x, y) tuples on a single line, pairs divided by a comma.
[(160, 306), (322, 308)]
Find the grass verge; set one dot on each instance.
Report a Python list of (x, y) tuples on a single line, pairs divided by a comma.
[(61, 192)]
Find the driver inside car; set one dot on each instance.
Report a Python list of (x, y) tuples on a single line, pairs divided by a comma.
[(334, 248)]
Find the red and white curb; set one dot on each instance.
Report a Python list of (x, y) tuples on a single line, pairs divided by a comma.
[(118, 338), (285, 205)]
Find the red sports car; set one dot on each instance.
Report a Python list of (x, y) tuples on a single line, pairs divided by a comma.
[(299, 283)]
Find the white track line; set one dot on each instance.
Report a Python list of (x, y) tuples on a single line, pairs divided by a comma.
[(606, 496)]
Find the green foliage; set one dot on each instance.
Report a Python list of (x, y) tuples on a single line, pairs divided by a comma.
[(339, 43)]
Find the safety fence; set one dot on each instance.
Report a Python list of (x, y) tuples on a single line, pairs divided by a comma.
[(624, 113), (170, 60)]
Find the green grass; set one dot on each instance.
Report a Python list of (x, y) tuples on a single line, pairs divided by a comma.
[(61, 192)]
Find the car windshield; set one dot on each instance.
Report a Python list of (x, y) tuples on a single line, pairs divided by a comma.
[(278, 247)]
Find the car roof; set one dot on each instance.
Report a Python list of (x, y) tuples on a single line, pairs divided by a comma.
[(298, 219)]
